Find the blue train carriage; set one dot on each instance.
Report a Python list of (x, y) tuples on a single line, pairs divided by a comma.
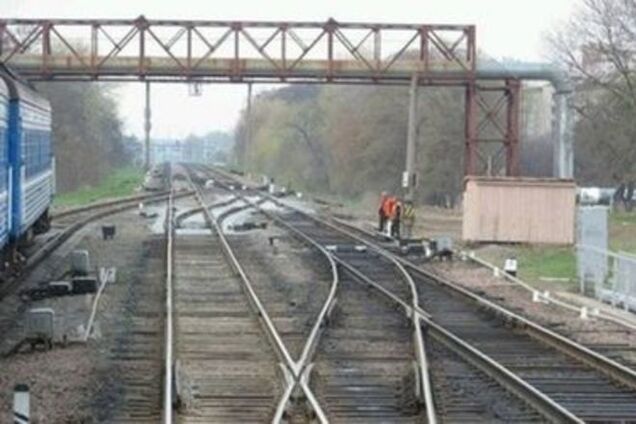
[(5, 188), (31, 161)]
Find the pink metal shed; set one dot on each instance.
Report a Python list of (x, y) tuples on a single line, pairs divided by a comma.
[(525, 210)]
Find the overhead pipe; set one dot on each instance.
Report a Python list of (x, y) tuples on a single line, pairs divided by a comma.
[(562, 120)]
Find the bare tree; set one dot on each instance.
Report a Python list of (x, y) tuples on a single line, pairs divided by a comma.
[(598, 46)]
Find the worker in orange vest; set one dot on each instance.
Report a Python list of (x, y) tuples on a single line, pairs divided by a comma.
[(388, 210), (396, 214), (381, 215)]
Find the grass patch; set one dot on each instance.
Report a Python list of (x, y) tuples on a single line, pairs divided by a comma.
[(548, 262), (120, 182), (622, 231), (547, 267)]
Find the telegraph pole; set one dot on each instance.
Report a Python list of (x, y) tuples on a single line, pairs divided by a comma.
[(147, 127), (409, 178)]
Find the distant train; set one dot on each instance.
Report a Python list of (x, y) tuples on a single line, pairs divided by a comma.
[(27, 164)]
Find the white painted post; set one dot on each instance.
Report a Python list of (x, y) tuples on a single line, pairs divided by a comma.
[(510, 266), (21, 403)]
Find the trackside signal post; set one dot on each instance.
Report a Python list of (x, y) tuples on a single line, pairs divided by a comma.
[(409, 177), (248, 127), (147, 127)]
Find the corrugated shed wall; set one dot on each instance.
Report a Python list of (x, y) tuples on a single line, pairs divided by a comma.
[(526, 210)]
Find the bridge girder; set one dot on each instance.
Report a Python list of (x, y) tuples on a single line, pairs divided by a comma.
[(268, 52)]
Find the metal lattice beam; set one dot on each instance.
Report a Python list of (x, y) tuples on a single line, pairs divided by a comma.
[(256, 51), (238, 51)]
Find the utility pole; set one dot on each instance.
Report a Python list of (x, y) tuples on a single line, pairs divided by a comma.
[(409, 178), (147, 127), (248, 128)]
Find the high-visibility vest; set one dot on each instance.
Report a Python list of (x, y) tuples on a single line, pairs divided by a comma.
[(408, 212), (395, 208), (388, 206)]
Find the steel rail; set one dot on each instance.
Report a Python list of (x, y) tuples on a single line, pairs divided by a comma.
[(606, 366), (507, 379), (538, 400), (288, 362), (168, 348), (302, 363), (533, 396), (107, 203), (572, 307), (182, 216), (601, 363), (598, 361), (423, 377)]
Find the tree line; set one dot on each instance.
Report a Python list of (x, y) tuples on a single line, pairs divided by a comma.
[(597, 47), (352, 140), (87, 133)]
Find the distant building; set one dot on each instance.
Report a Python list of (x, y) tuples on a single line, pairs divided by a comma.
[(536, 130), (162, 150), (213, 147), (536, 111)]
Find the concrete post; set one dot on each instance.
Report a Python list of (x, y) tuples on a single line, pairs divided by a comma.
[(408, 181), (21, 404), (147, 127), (563, 156), (248, 128)]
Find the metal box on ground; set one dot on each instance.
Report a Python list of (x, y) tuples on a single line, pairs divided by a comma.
[(84, 285), (40, 324), (59, 288), (519, 210), (80, 263), (108, 231)]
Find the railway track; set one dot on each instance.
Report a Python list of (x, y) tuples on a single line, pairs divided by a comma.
[(394, 388), (258, 378), (364, 368), (227, 371), (558, 378), (293, 284), (139, 329)]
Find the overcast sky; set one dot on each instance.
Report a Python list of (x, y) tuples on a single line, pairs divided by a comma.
[(505, 28)]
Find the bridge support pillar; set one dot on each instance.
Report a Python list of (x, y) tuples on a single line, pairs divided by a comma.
[(492, 128)]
